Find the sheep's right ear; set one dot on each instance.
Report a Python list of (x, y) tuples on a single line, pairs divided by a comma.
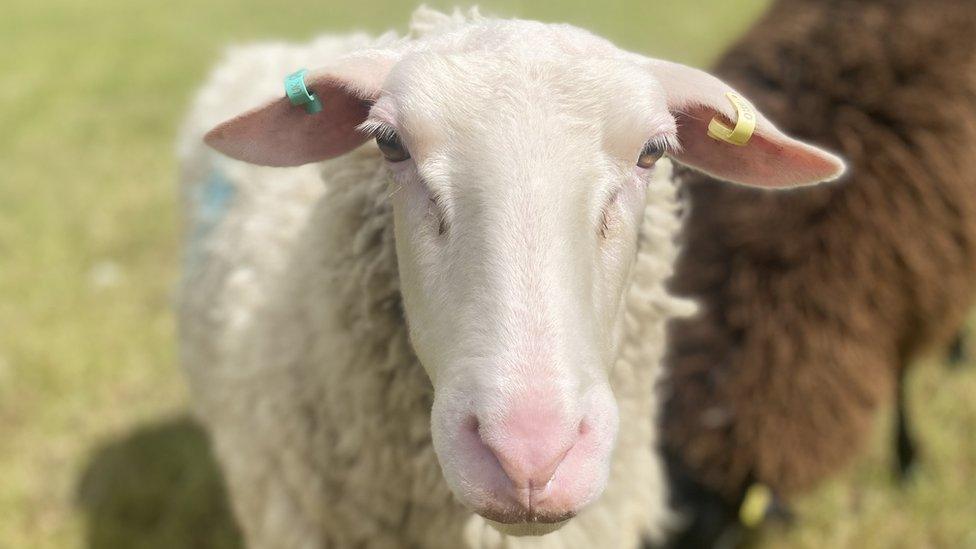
[(282, 134)]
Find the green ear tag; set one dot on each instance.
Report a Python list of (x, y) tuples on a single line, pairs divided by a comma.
[(298, 94)]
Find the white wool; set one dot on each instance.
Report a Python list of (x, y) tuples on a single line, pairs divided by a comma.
[(297, 355)]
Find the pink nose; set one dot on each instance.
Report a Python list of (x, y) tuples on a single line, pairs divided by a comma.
[(532, 442)]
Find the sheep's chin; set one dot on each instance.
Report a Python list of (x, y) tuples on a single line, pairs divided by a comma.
[(527, 528)]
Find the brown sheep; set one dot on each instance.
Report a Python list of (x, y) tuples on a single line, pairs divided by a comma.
[(815, 301)]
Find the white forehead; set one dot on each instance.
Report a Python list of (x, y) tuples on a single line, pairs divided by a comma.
[(508, 83)]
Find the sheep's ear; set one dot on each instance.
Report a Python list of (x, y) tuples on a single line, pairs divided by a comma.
[(279, 133), (769, 158)]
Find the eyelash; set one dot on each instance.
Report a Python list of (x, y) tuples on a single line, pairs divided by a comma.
[(375, 128), (668, 142)]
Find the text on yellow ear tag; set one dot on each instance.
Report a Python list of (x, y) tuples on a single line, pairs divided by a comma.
[(745, 123)]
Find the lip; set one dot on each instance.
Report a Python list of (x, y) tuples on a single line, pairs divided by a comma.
[(526, 528), (526, 510), (515, 516)]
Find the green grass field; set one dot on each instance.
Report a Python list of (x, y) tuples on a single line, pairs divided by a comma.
[(95, 446)]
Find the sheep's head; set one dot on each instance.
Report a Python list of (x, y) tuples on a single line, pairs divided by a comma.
[(520, 156)]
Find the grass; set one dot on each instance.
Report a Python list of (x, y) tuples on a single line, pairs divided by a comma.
[(95, 447)]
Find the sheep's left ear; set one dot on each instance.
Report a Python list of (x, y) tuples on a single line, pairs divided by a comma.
[(769, 158)]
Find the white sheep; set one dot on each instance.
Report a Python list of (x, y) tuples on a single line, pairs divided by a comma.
[(436, 350)]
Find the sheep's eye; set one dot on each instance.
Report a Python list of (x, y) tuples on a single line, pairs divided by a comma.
[(391, 147), (649, 155)]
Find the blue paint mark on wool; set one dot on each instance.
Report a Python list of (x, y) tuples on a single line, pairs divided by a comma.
[(211, 201), (214, 198)]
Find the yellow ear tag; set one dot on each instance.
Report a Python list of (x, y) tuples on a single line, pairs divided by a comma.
[(754, 505), (745, 123)]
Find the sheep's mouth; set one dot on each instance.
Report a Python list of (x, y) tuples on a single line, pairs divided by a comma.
[(526, 525), (522, 522), (523, 516)]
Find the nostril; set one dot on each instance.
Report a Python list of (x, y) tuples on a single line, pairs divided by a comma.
[(471, 424), (583, 428)]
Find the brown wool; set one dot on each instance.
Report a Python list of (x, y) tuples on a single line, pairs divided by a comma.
[(813, 300)]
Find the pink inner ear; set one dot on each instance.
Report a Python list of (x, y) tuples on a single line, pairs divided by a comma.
[(770, 159), (282, 134)]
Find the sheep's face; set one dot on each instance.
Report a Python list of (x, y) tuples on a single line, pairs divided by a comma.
[(516, 218), (520, 156)]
